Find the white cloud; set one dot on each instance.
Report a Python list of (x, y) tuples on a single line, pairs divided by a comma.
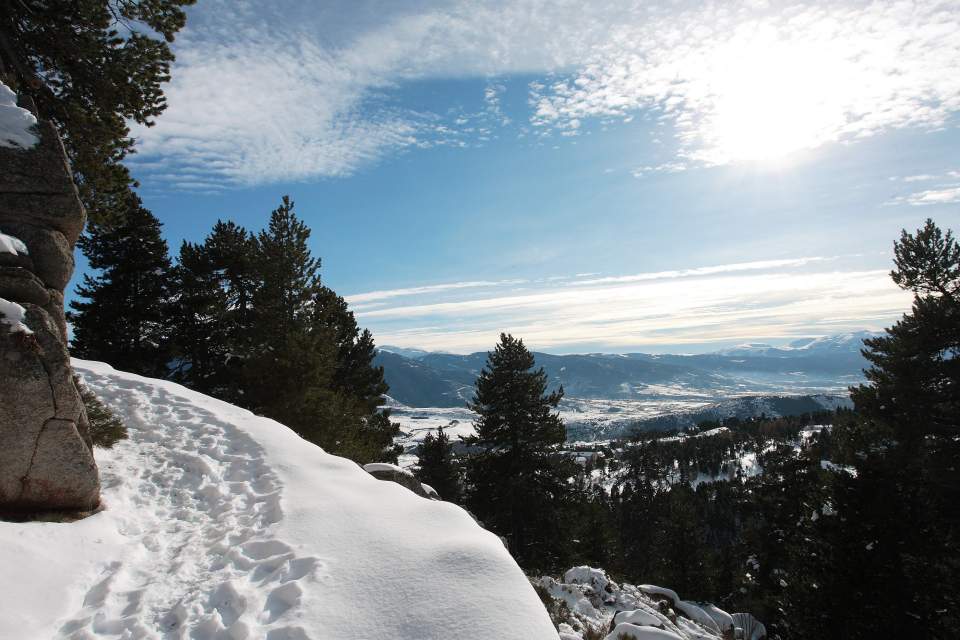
[(947, 195), (737, 81), (946, 192), (376, 296), (264, 92), (701, 305), (706, 271)]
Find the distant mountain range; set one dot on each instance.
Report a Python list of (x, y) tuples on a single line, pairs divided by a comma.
[(744, 407), (804, 367)]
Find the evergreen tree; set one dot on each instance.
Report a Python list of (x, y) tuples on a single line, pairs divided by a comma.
[(289, 368), (123, 319), (363, 430), (437, 466), (231, 250), (913, 378), (288, 275), (904, 498), (199, 332), (304, 360), (92, 66), (517, 484)]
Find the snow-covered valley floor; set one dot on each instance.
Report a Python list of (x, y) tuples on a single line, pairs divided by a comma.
[(222, 525)]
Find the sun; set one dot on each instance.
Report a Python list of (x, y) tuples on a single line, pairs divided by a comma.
[(770, 98)]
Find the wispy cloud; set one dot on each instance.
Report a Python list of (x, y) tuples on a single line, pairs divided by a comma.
[(706, 271), (947, 195), (376, 296), (946, 192), (264, 92), (740, 79), (699, 305)]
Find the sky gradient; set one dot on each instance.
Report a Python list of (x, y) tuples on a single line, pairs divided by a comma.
[(609, 176)]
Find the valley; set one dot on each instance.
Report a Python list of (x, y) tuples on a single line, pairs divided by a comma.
[(610, 396)]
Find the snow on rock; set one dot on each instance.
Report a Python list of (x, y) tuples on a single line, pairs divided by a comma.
[(15, 122), (590, 602), (9, 244), (403, 477), (373, 467), (654, 590), (596, 578), (723, 619), (12, 315), (698, 615), (222, 524), (639, 617), (748, 627), (633, 632), (430, 491)]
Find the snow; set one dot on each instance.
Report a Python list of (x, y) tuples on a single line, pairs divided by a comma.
[(827, 465), (596, 602), (653, 590), (9, 244), (430, 491), (723, 619), (221, 524), (688, 436), (698, 615), (15, 122), (12, 314), (383, 466), (595, 578), (633, 632), (639, 617)]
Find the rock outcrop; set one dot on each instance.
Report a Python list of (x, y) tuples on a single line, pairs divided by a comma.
[(46, 457), (393, 473)]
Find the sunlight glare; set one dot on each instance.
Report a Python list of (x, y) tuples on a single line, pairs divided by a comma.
[(771, 98)]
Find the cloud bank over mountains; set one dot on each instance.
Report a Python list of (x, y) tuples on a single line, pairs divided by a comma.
[(697, 308)]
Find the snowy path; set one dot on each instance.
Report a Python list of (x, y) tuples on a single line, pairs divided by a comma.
[(222, 525), (202, 562)]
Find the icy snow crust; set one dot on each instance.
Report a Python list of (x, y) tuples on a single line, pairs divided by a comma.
[(222, 524), (15, 122)]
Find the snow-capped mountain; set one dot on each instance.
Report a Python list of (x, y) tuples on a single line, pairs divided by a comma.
[(845, 343)]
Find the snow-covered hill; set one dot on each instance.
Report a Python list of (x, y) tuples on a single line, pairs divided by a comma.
[(219, 524)]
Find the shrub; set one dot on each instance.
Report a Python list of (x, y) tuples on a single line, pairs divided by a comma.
[(106, 429)]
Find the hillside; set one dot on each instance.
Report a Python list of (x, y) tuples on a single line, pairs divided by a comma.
[(808, 366), (221, 524)]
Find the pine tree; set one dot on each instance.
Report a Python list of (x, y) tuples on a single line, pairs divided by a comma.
[(91, 67), (288, 370), (913, 380), (517, 483), (233, 251), (212, 311), (437, 466), (123, 320), (908, 486), (288, 275), (199, 333), (363, 430), (304, 360)]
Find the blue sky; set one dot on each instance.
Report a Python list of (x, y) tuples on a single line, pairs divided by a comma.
[(607, 176)]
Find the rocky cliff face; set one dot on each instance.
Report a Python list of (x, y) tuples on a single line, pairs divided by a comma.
[(46, 457)]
